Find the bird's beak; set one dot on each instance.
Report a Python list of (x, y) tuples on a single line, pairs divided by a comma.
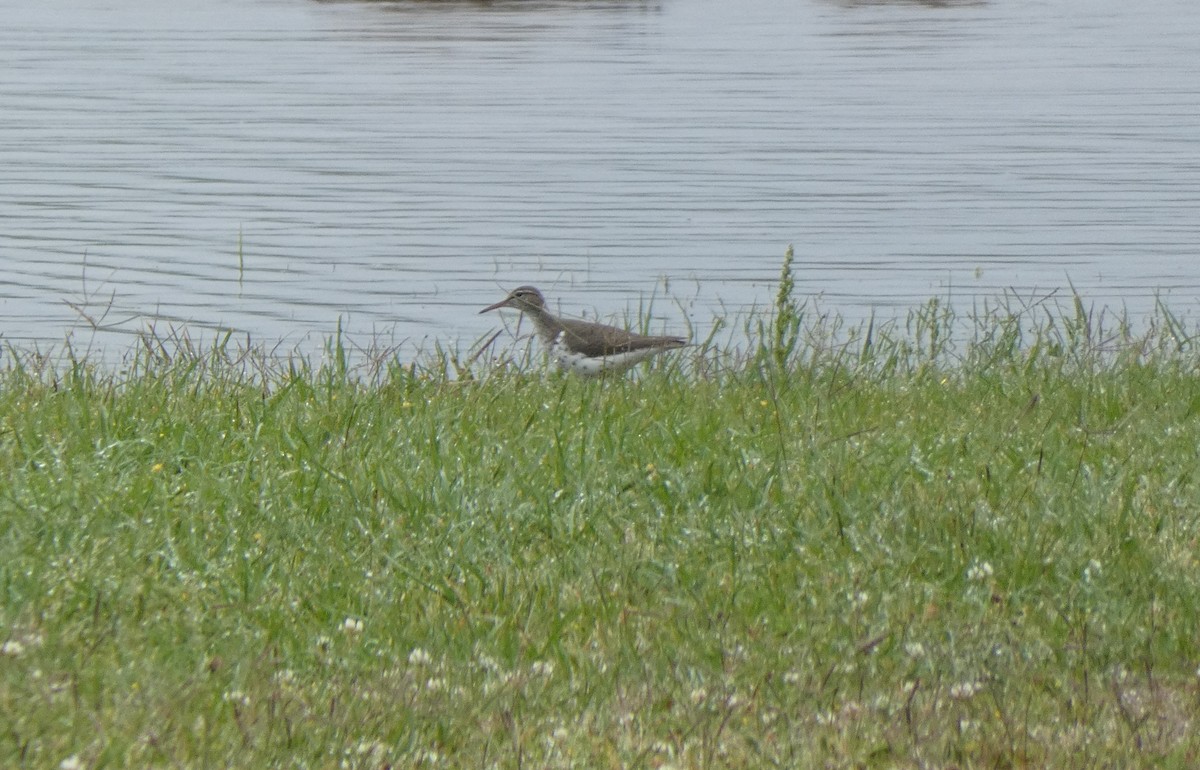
[(500, 304)]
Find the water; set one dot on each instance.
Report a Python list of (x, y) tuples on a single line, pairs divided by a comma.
[(280, 168)]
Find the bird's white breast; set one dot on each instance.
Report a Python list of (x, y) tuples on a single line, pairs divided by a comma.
[(591, 366)]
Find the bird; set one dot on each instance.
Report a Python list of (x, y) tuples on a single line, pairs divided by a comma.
[(584, 347)]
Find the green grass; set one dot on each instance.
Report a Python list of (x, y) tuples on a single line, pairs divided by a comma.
[(942, 543)]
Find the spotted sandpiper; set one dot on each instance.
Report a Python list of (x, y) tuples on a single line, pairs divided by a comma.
[(584, 347)]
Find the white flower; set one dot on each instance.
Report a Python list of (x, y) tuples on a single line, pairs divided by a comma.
[(236, 697), (12, 648), (419, 657), (486, 662), (980, 571), (965, 690), (368, 748), (72, 762), (542, 668), (352, 626)]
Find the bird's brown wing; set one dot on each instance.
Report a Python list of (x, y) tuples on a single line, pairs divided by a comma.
[(596, 340)]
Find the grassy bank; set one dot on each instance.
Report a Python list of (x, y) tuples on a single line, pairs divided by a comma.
[(877, 547)]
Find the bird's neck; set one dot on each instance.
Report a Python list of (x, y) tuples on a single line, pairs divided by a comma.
[(548, 327)]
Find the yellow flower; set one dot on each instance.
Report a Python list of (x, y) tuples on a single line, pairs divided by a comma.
[(157, 467)]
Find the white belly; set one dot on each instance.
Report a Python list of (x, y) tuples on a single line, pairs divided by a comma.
[(589, 366)]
